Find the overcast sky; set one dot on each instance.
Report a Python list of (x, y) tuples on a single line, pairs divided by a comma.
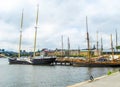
[(56, 18)]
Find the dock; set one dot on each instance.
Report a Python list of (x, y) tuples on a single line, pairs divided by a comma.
[(64, 63), (112, 80)]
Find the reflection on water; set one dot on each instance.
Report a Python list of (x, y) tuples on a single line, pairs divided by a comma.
[(45, 76)]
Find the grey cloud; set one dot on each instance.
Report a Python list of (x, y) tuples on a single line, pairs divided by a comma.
[(61, 17)]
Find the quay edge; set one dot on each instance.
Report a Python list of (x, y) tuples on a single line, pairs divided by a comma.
[(103, 81)]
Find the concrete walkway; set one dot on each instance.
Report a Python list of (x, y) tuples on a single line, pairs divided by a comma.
[(112, 80)]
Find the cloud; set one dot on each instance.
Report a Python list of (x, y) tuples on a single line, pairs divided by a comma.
[(56, 18)]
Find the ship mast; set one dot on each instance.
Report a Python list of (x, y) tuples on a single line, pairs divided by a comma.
[(101, 45), (97, 44), (62, 45), (78, 51), (36, 30), (112, 48), (116, 40), (20, 39), (68, 47), (88, 45)]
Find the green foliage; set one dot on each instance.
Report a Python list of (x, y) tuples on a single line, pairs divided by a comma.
[(76, 55), (117, 47), (60, 56), (109, 73), (24, 54), (94, 55)]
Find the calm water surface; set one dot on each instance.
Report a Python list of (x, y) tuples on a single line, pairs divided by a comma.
[(45, 76)]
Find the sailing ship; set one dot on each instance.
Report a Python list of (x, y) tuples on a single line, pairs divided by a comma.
[(19, 59), (40, 60), (35, 60), (94, 63)]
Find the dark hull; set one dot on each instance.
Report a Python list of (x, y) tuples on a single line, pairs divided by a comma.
[(97, 64), (43, 61), (16, 61)]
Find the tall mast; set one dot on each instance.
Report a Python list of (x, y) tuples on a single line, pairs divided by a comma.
[(78, 51), (62, 44), (116, 40), (97, 43), (112, 48), (101, 45), (88, 44), (68, 47), (36, 30), (20, 40)]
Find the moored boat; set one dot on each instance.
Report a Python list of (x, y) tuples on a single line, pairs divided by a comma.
[(43, 60), (40, 60), (35, 60), (97, 64), (101, 62), (19, 61)]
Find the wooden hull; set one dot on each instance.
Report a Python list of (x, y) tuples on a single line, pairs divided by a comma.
[(97, 64)]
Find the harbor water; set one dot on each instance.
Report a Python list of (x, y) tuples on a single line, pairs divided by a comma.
[(45, 76)]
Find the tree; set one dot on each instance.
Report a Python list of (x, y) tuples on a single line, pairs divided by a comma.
[(117, 47)]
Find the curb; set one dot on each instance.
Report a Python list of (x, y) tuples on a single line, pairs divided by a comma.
[(89, 81)]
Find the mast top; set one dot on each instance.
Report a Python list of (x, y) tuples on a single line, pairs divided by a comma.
[(86, 24), (36, 30), (37, 15), (21, 25)]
